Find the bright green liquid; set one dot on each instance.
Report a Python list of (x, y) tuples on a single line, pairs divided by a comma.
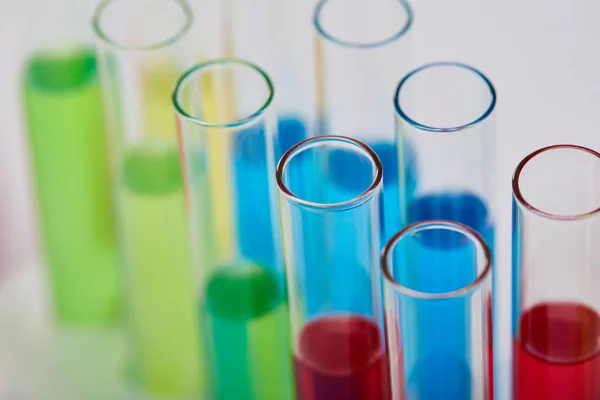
[(165, 328), (247, 337), (68, 147)]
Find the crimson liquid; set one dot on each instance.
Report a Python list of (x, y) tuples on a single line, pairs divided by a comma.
[(556, 356), (341, 357)]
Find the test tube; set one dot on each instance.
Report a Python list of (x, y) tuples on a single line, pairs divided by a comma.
[(64, 121), (332, 230), (445, 110), (142, 47), (263, 32), (433, 355), (556, 271), (225, 113), (362, 50)]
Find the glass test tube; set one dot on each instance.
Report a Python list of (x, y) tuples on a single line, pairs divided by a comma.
[(446, 112), (556, 271), (333, 230), (142, 47), (428, 358), (277, 36), (65, 125), (363, 49), (225, 114)]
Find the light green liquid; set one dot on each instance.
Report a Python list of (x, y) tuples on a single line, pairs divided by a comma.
[(165, 328), (65, 121), (247, 335)]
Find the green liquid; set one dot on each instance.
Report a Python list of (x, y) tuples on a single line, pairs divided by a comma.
[(63, 107), (246, 329), (165, 328)]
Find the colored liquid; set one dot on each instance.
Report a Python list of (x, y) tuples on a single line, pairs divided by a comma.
[(162, 304), (253, 205), (557, 354), (440, 331), (246, 335), (348, 174), (63, 107), (341, 357)]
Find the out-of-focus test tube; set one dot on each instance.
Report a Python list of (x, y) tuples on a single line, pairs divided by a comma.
[(143, 46), (241, 291), (334, 229), (432, 354), (278, 36), (65, 124), (363, 49), (556, 273)]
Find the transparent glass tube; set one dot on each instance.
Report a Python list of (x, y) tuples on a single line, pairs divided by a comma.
[(432, 354), (142, 48), (279, 37), (446, 112), (331, 241), (65, 125), (556, 234), (227, 130), (363, 49)]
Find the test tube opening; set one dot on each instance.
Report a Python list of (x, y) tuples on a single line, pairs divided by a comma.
[(126, 25), (398, 257), (557, 182), (206, 95), (445, 97), (329, 172), (342, 21)]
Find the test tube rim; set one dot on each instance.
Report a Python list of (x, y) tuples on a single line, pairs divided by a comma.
[(108, 40), (520, 199), (211, 63), (359, 45), (470, 233), (354, 202), (423, 127)]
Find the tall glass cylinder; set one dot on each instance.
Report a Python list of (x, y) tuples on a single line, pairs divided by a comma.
[(279, 37), (362, 50), (556, 273), (331, 241), (432, 354), (446, 112), (226, 125), (142, 47), (65, 125)]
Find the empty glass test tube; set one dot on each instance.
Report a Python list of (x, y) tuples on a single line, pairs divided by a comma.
[(556, 272), (432, 354), (331, 232)]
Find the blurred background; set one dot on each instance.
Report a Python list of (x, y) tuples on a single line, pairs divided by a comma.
[(542, 57)]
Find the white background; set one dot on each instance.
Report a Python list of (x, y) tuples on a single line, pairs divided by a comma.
[(542, 56)]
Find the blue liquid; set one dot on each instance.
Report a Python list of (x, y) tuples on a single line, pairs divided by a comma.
[(252, 203), (357, 179), (437, 333), (423, 383)]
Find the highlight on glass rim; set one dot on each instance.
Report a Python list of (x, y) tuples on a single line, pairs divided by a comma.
[(299, 200)]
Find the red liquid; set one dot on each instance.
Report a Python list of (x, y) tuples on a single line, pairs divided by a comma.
[(341, 358), (557, 356)]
